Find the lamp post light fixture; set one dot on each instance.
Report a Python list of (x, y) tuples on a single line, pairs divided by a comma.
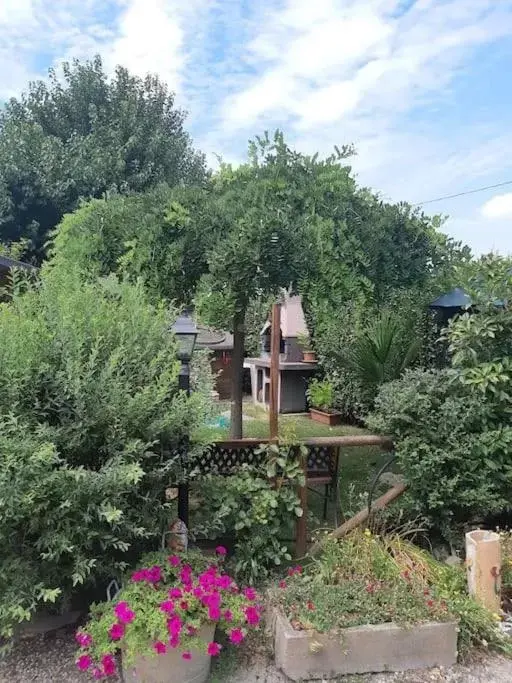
[(186, 333)]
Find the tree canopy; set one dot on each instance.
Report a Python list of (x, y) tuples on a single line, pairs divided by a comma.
[(283, 219), (81, 136)]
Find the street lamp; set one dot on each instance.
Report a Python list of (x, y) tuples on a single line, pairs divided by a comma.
[(186, 334)]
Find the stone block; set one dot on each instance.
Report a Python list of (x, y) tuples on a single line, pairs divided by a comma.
[(306, 655)]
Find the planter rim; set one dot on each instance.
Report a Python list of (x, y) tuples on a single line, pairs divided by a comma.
[(386, 626), (323, 412)]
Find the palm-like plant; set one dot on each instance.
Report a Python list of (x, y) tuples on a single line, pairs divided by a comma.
[(384, 349)]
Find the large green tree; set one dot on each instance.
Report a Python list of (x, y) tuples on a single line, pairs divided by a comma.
[(82, 135), (281, 219)]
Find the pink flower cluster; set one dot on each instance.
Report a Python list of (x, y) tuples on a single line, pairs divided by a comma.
[(211, 596)]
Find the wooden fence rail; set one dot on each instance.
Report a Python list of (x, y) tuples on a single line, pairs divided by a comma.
[(320, 466)]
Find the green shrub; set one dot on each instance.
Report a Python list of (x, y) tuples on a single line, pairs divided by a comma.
[(456, 464), (253, 512), (90, 414)]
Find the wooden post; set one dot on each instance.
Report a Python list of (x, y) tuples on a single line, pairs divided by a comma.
[(483, 562), (275, 343), (301, 540)]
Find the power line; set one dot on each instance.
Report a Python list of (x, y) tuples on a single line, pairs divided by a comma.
[(461, 194)]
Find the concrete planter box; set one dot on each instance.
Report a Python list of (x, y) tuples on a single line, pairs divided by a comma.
[(171, 667), (330, 419), (306, 655)]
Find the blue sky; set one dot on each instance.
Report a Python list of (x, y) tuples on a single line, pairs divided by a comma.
[(423, 88)]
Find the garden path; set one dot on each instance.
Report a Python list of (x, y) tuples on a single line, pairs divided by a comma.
[(50, 659)]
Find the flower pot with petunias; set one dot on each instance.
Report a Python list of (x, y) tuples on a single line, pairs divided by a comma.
[(166, 619)]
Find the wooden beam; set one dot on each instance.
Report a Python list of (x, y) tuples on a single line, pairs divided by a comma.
[(361, 516), (347, 441), (275, 343)]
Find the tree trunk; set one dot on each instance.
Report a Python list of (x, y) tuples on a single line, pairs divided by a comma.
[(236, 430)]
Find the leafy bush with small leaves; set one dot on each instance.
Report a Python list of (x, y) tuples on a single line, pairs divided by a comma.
[(255, 511), (457, 465), (164, 606), (90, 417)]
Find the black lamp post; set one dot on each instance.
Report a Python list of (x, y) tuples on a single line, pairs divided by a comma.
[(186, 334)]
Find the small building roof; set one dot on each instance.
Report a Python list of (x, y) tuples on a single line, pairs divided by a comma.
[(293, 322), (6, 262), (457, 298)]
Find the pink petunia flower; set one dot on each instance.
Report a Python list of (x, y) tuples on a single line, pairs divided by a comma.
[(228, 615), (167, 606), (191, 630), (252, 616), (123, 612), (140, 575), (84, 662), (184, 605), (83, 639), (224, 582), (159, 647), (174, 641), (236, 636), (214, 649), (175, 593), (187, 656), (116, 631), (174, 561), (155, 574), (214, 613), (282, 584), (174, 625), (221, 550), (97, 674), (250, 594), (109, 665)]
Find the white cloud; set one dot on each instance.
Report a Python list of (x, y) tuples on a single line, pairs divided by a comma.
[(339, 56), (150, 40), (499, 207), (379, 73)]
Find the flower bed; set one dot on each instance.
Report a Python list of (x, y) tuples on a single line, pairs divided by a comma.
[(360, 609), (169, 608)]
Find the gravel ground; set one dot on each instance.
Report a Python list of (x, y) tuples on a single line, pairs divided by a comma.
[(50, 659)]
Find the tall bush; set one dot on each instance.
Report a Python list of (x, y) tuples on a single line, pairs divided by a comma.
[(90, 416), (456, 462)]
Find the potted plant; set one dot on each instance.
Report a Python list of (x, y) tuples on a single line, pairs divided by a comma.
[(320, 395), (305, 344), (164, 621), (363, 606)]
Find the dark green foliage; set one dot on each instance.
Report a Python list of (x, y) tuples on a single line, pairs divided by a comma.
[(258, 515), (150, 236), (82, 136), (455, 460), (89, 416)]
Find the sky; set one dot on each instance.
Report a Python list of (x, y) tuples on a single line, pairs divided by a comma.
[(422, 88)]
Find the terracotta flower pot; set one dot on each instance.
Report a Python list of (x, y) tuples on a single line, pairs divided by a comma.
[(171, 667), (309, 356), (330, 419)]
